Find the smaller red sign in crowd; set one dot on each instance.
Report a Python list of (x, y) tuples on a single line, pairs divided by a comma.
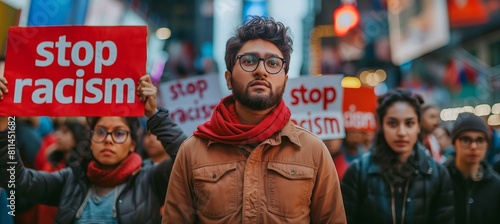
[(74, 71), (359, 107)]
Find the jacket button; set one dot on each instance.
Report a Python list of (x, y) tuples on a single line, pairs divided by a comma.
[(408, 200), (214, 175), (120, 201), (471, 200), (292, 173), (429, 171)]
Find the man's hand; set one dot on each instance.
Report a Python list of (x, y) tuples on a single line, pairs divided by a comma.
[(147, 93)]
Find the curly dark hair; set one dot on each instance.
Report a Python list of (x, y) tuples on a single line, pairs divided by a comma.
[(259, 28), (382, 153)]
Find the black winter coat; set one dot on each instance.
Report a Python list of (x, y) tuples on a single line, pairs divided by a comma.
[(140, 200), (367, 193), (476, 202)]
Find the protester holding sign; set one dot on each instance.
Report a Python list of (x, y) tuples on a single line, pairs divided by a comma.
[(249, 163), (398, 182), (109, 184)]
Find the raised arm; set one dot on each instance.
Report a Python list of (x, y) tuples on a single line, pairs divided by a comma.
[(171, 137), (42, 187), (159, 122), (166, 130)]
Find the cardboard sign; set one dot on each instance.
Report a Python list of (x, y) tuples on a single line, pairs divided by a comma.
[(74, 71), (191, 101), (316, 104), (359, 109)]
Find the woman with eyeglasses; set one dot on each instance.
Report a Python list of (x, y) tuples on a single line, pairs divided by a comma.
[(398, 182), (476, 186), (109, 183)]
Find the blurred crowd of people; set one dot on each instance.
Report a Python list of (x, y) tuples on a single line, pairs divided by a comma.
[(434, 135), (467, 150), (52, 143)]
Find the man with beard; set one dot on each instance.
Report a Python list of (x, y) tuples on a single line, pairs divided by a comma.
[(249, 163), (429, 122)]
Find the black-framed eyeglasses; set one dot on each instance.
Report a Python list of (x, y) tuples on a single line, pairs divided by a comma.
[(467, 141), (100, 135), (250, 62)]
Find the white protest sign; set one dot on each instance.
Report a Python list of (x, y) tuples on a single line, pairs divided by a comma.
[(316, 104), (191, 101)]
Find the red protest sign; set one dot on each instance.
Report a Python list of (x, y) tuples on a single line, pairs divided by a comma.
[(74, 71), (359, 109)]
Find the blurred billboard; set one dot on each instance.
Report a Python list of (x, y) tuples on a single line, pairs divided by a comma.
[(416, 28)]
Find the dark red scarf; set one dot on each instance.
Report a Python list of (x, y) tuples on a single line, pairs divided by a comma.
[(225, 127), (114, 177)]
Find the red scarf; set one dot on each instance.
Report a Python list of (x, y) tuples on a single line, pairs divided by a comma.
[(114, 177), (225, 127)]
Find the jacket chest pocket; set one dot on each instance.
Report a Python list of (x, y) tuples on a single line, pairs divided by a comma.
[(289, 189), (215, 189)]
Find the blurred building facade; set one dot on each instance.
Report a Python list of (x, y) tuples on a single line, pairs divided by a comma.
[(447, 50)]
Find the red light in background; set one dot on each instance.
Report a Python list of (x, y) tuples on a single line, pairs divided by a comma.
[(345, 18), (467, 13)]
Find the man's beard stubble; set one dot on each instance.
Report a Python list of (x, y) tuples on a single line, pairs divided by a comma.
[(261, 102)]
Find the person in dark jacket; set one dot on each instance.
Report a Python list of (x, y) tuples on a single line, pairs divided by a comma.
[(398, 182), (476, 186), (443, 135), (109, 184), (68, 135)]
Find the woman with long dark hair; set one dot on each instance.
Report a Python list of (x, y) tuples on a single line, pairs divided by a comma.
[(106, 181), (398, 182)]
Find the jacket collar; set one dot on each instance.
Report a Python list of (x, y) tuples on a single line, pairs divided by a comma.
[(420, 160), (487, 170), (290, 131)]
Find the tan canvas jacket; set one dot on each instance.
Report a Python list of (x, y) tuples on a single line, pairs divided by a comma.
[(289, 178)]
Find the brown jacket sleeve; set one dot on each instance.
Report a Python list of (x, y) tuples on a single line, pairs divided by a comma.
[(326, 202)]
